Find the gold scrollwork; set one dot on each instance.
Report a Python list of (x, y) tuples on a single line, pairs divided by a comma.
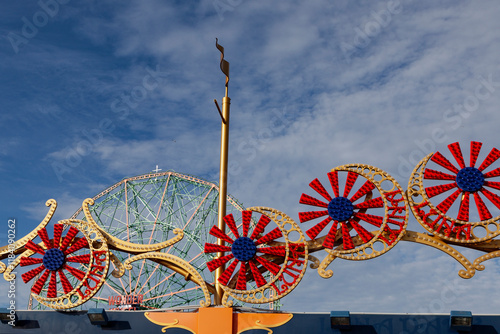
[(149, 252), (6, 250), (292, 268), (119, 270), (315, 262), (369, 243), (477, 262), (396, 212), (129, 247), (324, 264), (440, 224), (437, 243), (176, 264), (96, 272)]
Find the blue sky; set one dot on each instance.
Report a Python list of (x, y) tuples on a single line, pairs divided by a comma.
[(96, 91)]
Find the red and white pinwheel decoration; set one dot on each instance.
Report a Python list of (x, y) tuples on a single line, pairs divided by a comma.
[(463, 193), (264, 258), (365, 212), (75, 254)]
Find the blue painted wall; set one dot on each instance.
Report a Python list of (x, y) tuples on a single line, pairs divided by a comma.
[(130, 322)]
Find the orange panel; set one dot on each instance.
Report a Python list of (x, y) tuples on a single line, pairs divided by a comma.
[(247, 321), (185, 320), (215, 320), (218, 320)]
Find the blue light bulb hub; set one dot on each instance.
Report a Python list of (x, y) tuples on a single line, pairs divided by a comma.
[(470, 179), (243, 249), (340, 209), (53, 259)]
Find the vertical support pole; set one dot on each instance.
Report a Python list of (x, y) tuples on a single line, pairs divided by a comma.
[(224, 144)]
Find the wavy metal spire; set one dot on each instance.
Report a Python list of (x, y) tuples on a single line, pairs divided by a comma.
[(224, 65)]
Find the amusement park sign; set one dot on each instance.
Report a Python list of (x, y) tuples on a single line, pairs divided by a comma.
[(126, 302), (264, 255)]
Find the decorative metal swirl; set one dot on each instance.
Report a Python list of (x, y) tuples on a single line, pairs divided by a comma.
[(125, 246), (57, 262), (83, 252), (461, 184), (176, 264), (258, 253), (356, 233), (19, 244)]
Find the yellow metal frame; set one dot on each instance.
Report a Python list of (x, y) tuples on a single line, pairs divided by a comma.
[(100, 241), (420, 203), (296, 258), (385, 184), (19, 244)]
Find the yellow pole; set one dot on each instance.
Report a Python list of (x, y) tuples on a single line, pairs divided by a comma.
[(224, 143)]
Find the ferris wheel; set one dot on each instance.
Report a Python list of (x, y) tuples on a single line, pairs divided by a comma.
[(146, 209)]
